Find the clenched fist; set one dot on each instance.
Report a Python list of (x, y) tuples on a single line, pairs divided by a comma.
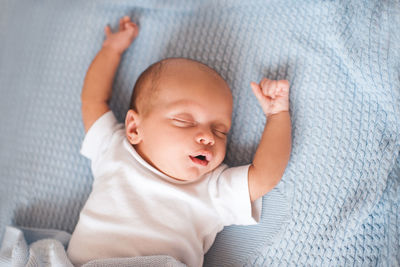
[(273, 95)]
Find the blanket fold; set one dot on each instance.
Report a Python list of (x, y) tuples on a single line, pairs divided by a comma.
[(30, 247)]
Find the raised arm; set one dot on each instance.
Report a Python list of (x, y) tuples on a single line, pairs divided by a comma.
[(97, 87), (273, 152)]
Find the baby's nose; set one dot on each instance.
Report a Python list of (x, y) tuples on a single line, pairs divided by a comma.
[(205, 138)]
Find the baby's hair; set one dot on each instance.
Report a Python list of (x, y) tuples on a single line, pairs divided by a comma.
[(147, 84), (145, 87)]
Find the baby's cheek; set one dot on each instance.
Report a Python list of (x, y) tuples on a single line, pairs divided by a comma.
[(220, 154)]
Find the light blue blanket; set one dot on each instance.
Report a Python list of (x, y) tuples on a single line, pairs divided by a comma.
[(28, 247), (338, 202)]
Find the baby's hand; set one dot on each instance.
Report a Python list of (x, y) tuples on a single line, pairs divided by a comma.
[(121, 40), (272, 95)]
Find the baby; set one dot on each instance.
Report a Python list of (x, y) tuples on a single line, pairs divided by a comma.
[(160, 187)]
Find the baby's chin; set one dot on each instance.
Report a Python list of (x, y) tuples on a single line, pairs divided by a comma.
[(190, 175), (186, 178)]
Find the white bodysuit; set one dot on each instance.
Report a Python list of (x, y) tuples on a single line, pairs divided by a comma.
[(135, 210)]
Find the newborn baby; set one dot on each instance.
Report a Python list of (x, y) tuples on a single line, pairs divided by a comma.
[(160, 187)]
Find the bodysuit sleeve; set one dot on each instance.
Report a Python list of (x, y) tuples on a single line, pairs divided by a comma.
[(98, 137), (229, 190)]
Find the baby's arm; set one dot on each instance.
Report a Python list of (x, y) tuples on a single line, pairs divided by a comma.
[(273, 152), (97, 86)]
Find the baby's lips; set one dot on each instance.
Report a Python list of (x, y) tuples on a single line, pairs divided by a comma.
[(206, 153)]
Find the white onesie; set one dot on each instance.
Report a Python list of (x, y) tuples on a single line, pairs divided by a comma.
[(135, 210)]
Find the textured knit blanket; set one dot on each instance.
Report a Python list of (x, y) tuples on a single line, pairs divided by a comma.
[(338, 201)]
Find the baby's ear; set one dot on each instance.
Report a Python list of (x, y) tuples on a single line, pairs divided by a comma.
[(132, 121)]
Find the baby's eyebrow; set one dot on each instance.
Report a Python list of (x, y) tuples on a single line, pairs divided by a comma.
[(182, 103)]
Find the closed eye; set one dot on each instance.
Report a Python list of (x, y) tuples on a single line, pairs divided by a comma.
[(220, 133), (182, 123)]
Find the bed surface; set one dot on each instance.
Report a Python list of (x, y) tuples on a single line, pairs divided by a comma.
[(338, 202)]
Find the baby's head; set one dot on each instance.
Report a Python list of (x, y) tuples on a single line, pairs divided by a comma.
[(179, 118)]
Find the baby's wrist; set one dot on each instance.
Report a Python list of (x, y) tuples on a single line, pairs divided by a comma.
[(277, 114), (109, 49)]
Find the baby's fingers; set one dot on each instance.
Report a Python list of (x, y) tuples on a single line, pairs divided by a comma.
[(130, 26), (273, 88), (107, 31), (283, 87), (122, 22), (131, 29), (268, 87), (265, 85), (284, 84), (257, 91)]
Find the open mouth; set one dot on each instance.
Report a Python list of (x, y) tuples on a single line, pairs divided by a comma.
[(201, 158)]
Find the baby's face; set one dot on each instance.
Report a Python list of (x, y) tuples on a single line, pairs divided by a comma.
[(184, 134)]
